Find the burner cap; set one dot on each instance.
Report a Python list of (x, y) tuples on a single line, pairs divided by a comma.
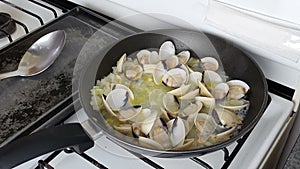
[(7, 24)]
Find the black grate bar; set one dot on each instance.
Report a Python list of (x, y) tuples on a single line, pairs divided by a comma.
[(86, 157), (22, 24), (7, 35), (44, 6), (24, 10), (42, 165), (201, 162), (226, 153), (47, 160), (145, 159), (93, 161)]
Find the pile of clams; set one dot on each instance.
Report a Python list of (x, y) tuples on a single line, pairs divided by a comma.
[(171, 101)]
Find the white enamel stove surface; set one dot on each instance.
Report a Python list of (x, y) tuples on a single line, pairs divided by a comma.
[(113, 156), (31, 22)]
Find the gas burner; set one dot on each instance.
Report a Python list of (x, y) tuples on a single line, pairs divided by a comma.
[(7, 25)]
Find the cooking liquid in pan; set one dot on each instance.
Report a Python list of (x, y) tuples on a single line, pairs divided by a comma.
[(198, 114)]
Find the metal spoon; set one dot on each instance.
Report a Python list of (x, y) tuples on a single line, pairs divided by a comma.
[(40, 55)]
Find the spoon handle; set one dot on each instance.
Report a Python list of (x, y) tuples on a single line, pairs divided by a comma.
[(9, 74)]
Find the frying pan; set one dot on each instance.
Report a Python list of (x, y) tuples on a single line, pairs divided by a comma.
[(236, 64)]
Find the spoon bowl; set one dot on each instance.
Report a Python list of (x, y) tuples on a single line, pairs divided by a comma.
[(40, 55)]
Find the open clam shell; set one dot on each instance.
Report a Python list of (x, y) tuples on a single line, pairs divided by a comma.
[(237, 89), (174, 77), (226, 118), (183, 89), (210, 63), (183, 56), (177, 131), (166, 50)]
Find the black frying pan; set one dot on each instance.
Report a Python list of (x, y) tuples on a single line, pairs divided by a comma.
[(236, 64)]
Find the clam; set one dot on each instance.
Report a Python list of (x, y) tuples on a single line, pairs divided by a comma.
[(174, 77), (147, 142), (159, 133), (116, 99), (177, 131), (237, 89), (220, 90), (136, 130), (211, 79), (149, 68), (143, 115), (148, 123), (166, 50), (154, 58), (190, 95), (188, 114), (120, 63), (164, 115), (172, 62), (183, 56), (226, 118), (183, 89), (206, 101), (159, 71), (185, 68), (186, 144), (223, 135), (107, 107), (171, 104), (121, 86), (205, 124), (235, 105), (129, 113), (195, 77), (143, 56), (133, 71), (124, 129), (210, 63), (203, 90)]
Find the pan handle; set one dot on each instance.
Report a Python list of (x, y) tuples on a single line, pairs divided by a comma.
[(44, 141)]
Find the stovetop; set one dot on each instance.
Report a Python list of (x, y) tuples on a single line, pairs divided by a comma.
[(47, 99)]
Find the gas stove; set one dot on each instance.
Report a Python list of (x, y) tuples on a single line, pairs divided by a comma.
[(81, 25)]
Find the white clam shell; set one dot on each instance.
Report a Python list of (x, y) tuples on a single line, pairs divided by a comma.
[(133, 72), (166, 50), (210, 63), (205, 124), (146, 142), (181, 90), (211, 77), (149, 68), (203, 90), (190, 95), (120, 63), (177, 131), (237, 89), (227, 118), (107, 106), (174, 77), (172, 62), (143, 56), (117, 98), (170, 104), (195, 77), (207, 101), (183, 56), (154, 58), (121, 86), (129, 113), (148, 123), (220, 90), (159, 72), (234, 105)]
